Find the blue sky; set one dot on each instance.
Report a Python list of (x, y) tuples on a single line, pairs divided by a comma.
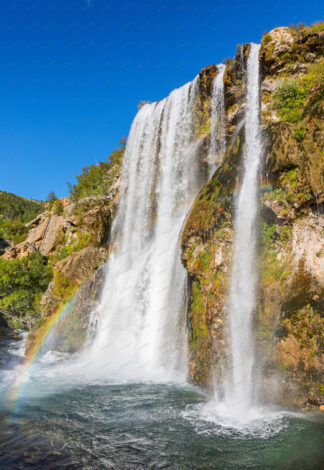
[(74, 71)]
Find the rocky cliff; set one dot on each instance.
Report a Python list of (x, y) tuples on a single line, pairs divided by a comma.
[(289, 318)]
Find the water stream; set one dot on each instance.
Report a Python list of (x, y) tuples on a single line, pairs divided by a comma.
[(242, 296), (217, 121), (141, 320)]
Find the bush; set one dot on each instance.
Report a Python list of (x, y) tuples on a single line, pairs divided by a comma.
[(289, 99), (317, 27), (95, 180), (300, 133), (268, 234), (58, 207), (22, 283), (13, 230), (266, 39)]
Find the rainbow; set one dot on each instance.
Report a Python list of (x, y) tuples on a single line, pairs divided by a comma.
[(45, 333)]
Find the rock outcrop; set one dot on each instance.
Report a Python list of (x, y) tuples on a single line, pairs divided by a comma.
[(289, 318)]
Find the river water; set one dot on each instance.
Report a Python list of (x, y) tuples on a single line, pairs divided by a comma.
[(63, 421)]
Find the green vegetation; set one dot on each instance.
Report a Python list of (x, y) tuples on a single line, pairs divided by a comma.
[(306, 325), (300, 133), (58, 207), (268, 234), (314, 82), (22, 283), (266, 38), (15, 212), (289, 100), (82, 240), (301, 29), (16, 207), (284, 233), (13, 230), (295, 97), (274, 272), (96, 179), (203, 260), (199, 328)]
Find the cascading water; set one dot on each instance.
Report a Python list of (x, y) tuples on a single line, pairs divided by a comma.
[(242, 301), (217, 121), (141, 321)]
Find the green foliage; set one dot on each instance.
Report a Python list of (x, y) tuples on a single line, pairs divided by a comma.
[(277, 193), (273, 271), (58, 207), (289, 178), (199, 328), (266, 39), (294, 98), (268, 234), (22, 283), (16, 207), (203, 260), (15, 212), (63, 287), (306, 326), (13, 230), (289, 99), (83, 240), (300, 132), (95, 180), (314, 81), (197, 298), (51, 196), (284, 233), (317, 27)]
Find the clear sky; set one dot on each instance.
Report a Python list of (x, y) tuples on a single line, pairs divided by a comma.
[(73, 72)]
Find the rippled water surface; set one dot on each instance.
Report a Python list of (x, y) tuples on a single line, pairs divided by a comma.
[(58, 425)]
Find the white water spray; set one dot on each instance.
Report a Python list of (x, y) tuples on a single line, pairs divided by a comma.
[(217, 122), (141, 320), (242, 301)]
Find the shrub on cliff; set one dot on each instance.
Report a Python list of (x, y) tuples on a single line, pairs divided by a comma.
[(22, 283), (289, 100), (292, 97), (95, 180)]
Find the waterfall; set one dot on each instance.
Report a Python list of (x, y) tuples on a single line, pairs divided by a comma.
[(217, 122), (141, 319), (242, 299)]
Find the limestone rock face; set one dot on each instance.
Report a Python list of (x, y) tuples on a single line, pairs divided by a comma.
[(93, 215), (290, 309), (74, 237), (80, 247), (284, 49), (79, 266), (41, 236), (308, 245)]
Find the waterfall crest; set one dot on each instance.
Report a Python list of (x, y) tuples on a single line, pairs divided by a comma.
[(141, 318), (242, 299), (217, 122)]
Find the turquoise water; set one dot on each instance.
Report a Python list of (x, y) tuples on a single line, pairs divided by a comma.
[(56, 424)]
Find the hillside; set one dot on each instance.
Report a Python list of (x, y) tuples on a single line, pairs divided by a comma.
[(15, 212)]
